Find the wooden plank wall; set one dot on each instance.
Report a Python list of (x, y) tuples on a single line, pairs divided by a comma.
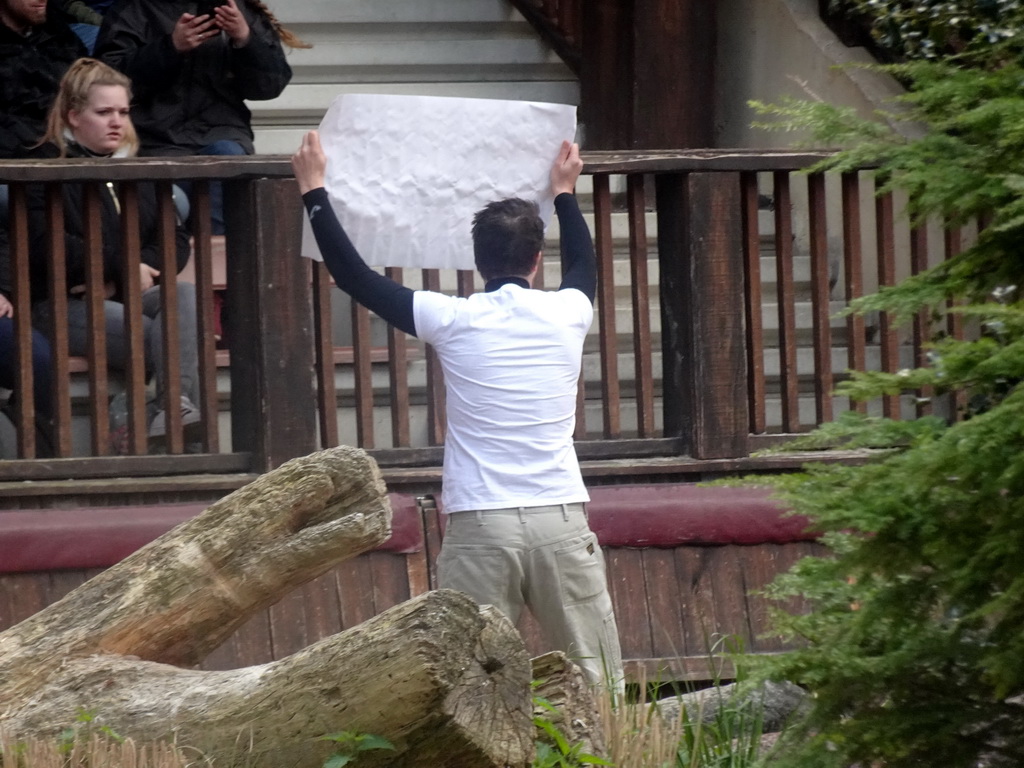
[(674, 606)]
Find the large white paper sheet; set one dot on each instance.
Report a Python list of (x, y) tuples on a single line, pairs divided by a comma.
[(406, 173)]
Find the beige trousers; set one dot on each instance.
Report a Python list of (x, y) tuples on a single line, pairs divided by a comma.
[(545, 559)]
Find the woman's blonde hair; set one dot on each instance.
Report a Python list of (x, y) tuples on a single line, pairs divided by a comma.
[(73, 95)]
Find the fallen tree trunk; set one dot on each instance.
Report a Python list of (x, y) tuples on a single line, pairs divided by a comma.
[(178, 598), (771, 704), (448, 683)]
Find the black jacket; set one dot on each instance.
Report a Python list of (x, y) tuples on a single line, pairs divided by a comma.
[(74, 232), (183, 102), (30, 70)]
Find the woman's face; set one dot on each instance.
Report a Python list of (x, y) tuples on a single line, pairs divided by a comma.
[(101, 124)]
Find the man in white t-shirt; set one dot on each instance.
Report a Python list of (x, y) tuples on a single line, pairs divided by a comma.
[(517, 533)]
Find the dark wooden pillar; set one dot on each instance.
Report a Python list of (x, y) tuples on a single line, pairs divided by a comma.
[(269, 323), (700, 251), (647, 74)]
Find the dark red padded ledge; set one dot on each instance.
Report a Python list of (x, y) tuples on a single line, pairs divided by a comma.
[(98, 537), (679, 514), (674, 515)]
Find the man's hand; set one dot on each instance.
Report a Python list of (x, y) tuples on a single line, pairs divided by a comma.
[(309, 163), (229, 18), (6, 308), (566, 169), (191, 31)]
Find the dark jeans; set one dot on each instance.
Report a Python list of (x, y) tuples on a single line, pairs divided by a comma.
[(152, 324), (220, 148), (42, 367)]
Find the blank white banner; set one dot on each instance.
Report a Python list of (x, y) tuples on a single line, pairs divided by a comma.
[(405, 174)]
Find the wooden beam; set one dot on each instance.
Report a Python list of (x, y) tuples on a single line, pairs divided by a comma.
[(700, 246), (647, 73), (270, 323)]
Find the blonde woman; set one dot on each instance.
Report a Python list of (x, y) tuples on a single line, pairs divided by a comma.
[(90, 118)]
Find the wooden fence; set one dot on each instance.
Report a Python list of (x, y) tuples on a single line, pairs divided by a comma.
[(720, 276)]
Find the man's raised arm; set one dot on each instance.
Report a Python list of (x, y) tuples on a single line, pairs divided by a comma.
[(579, 267), (391, 301)]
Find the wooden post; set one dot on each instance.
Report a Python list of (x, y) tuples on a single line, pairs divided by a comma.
[(647, 73), (269, 322), (700, 246)]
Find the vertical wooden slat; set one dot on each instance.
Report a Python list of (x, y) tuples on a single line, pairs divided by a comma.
[(888, 339), (19, 256), (327, 398), (96, 327), (580, 429), (853, 266), (610, 392), (788, 374), (58, 292), (398, 376), (202, 232), (169, 308), (954, 321), (820, 296), (362, 372), (700, 252), (435, 378), (390, 580), (922, 322), (135, 364), (465, 283), (665, 613), (752, 303), (699, 608), (639, 280), (627, 588)]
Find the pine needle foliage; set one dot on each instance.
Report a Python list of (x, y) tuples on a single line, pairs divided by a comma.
[(915, 650)]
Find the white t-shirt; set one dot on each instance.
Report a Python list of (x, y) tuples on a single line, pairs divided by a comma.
[(511, 360)]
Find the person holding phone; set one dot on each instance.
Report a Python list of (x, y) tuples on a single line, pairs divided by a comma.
[(193, 65)]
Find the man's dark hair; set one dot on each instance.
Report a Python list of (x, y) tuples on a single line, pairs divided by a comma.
[(507, 235)]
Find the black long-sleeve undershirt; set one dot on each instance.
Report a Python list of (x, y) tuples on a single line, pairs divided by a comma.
[(394, 302)]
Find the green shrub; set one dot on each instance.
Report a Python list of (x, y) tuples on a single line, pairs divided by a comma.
[(915, 651)]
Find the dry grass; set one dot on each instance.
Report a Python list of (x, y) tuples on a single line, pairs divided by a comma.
[(95, 750), (638, 736)]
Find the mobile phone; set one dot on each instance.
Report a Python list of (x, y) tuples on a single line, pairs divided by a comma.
[(207, 7)]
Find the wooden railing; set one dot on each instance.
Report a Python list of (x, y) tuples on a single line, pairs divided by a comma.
[(720, 274)]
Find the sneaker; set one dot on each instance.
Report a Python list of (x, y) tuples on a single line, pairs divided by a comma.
[(191, 423)]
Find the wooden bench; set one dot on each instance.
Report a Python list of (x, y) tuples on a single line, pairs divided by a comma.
[(684, 567)]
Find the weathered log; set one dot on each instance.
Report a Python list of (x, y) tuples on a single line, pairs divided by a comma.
[(442, 678), (772, 703), (178, 598), (565, 699), (448, 683)]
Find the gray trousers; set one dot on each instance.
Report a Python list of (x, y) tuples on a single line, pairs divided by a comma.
[(548, 560), (153, 341)]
